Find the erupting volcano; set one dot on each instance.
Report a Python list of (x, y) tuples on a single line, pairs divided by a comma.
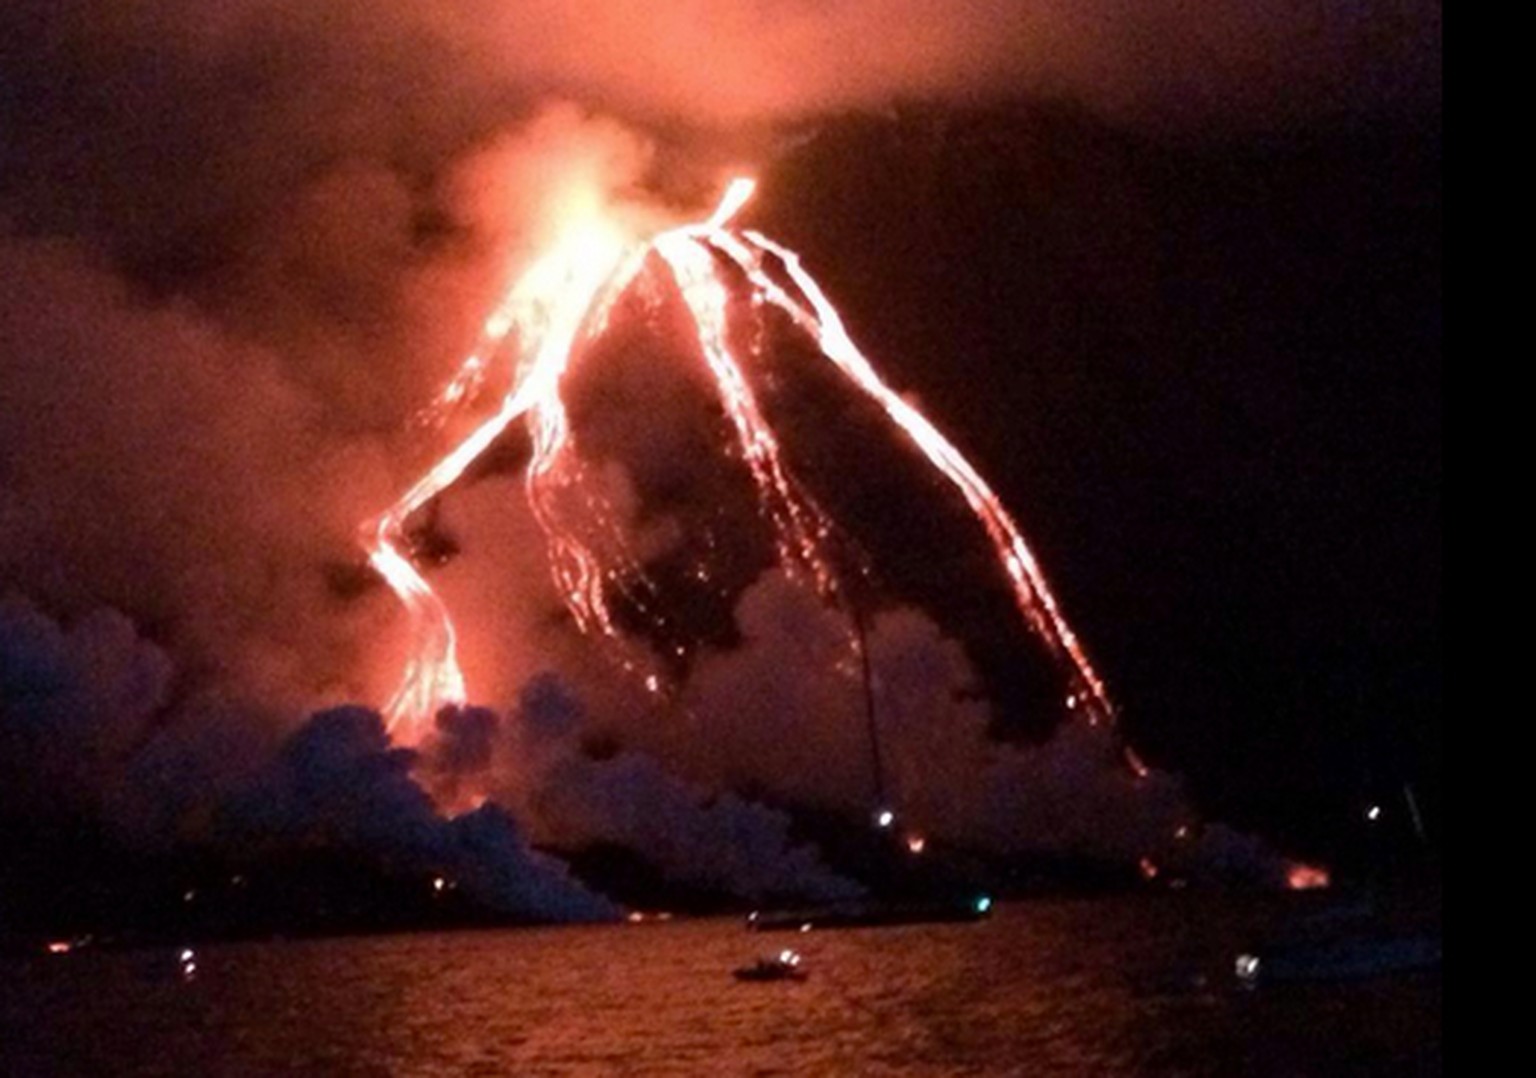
[(562, 302)]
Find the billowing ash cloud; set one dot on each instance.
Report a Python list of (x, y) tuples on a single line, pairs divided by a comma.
[(87, 725), (75, 703), (785, 712), (710, 840), (203, 461), (153, 462), (338, 783)]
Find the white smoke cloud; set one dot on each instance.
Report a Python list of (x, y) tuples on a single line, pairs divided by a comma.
[(88, 724), (338, 783), (784, 713), (710, 840)]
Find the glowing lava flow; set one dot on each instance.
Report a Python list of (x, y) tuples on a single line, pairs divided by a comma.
[(547, 306), (568, 294), (798, 526), (1031, 592)]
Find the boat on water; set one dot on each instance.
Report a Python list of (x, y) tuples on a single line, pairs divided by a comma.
[(784, 966), (869, 914), (1381, 930), (907, 859), (1351, 958)]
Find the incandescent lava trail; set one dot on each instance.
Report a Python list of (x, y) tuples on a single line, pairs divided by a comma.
[(562, 301)]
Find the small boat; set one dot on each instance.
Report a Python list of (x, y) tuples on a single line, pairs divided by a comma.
[(872, 914), (785, 966), (950, 905), (1339, 959)]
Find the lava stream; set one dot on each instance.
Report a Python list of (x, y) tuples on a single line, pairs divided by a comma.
[(565, 298)]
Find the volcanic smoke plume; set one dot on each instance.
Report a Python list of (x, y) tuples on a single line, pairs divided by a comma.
[(246, 247)]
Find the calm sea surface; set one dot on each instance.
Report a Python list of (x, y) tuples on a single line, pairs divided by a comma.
[(1092, 987)]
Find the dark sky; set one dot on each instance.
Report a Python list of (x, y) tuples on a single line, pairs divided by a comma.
[(1206, 375)]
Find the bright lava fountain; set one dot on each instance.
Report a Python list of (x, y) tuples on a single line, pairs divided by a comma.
[(563, 300)]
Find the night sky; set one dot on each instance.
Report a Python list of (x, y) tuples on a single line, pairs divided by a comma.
[(1170, 274), (1206, 374)]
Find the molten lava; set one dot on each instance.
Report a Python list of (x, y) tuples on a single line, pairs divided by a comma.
[(563, 300), (1302, 877)]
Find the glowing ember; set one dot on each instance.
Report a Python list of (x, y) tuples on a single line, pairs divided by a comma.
[(564, 299), (1300, 877), (1134, 762)]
